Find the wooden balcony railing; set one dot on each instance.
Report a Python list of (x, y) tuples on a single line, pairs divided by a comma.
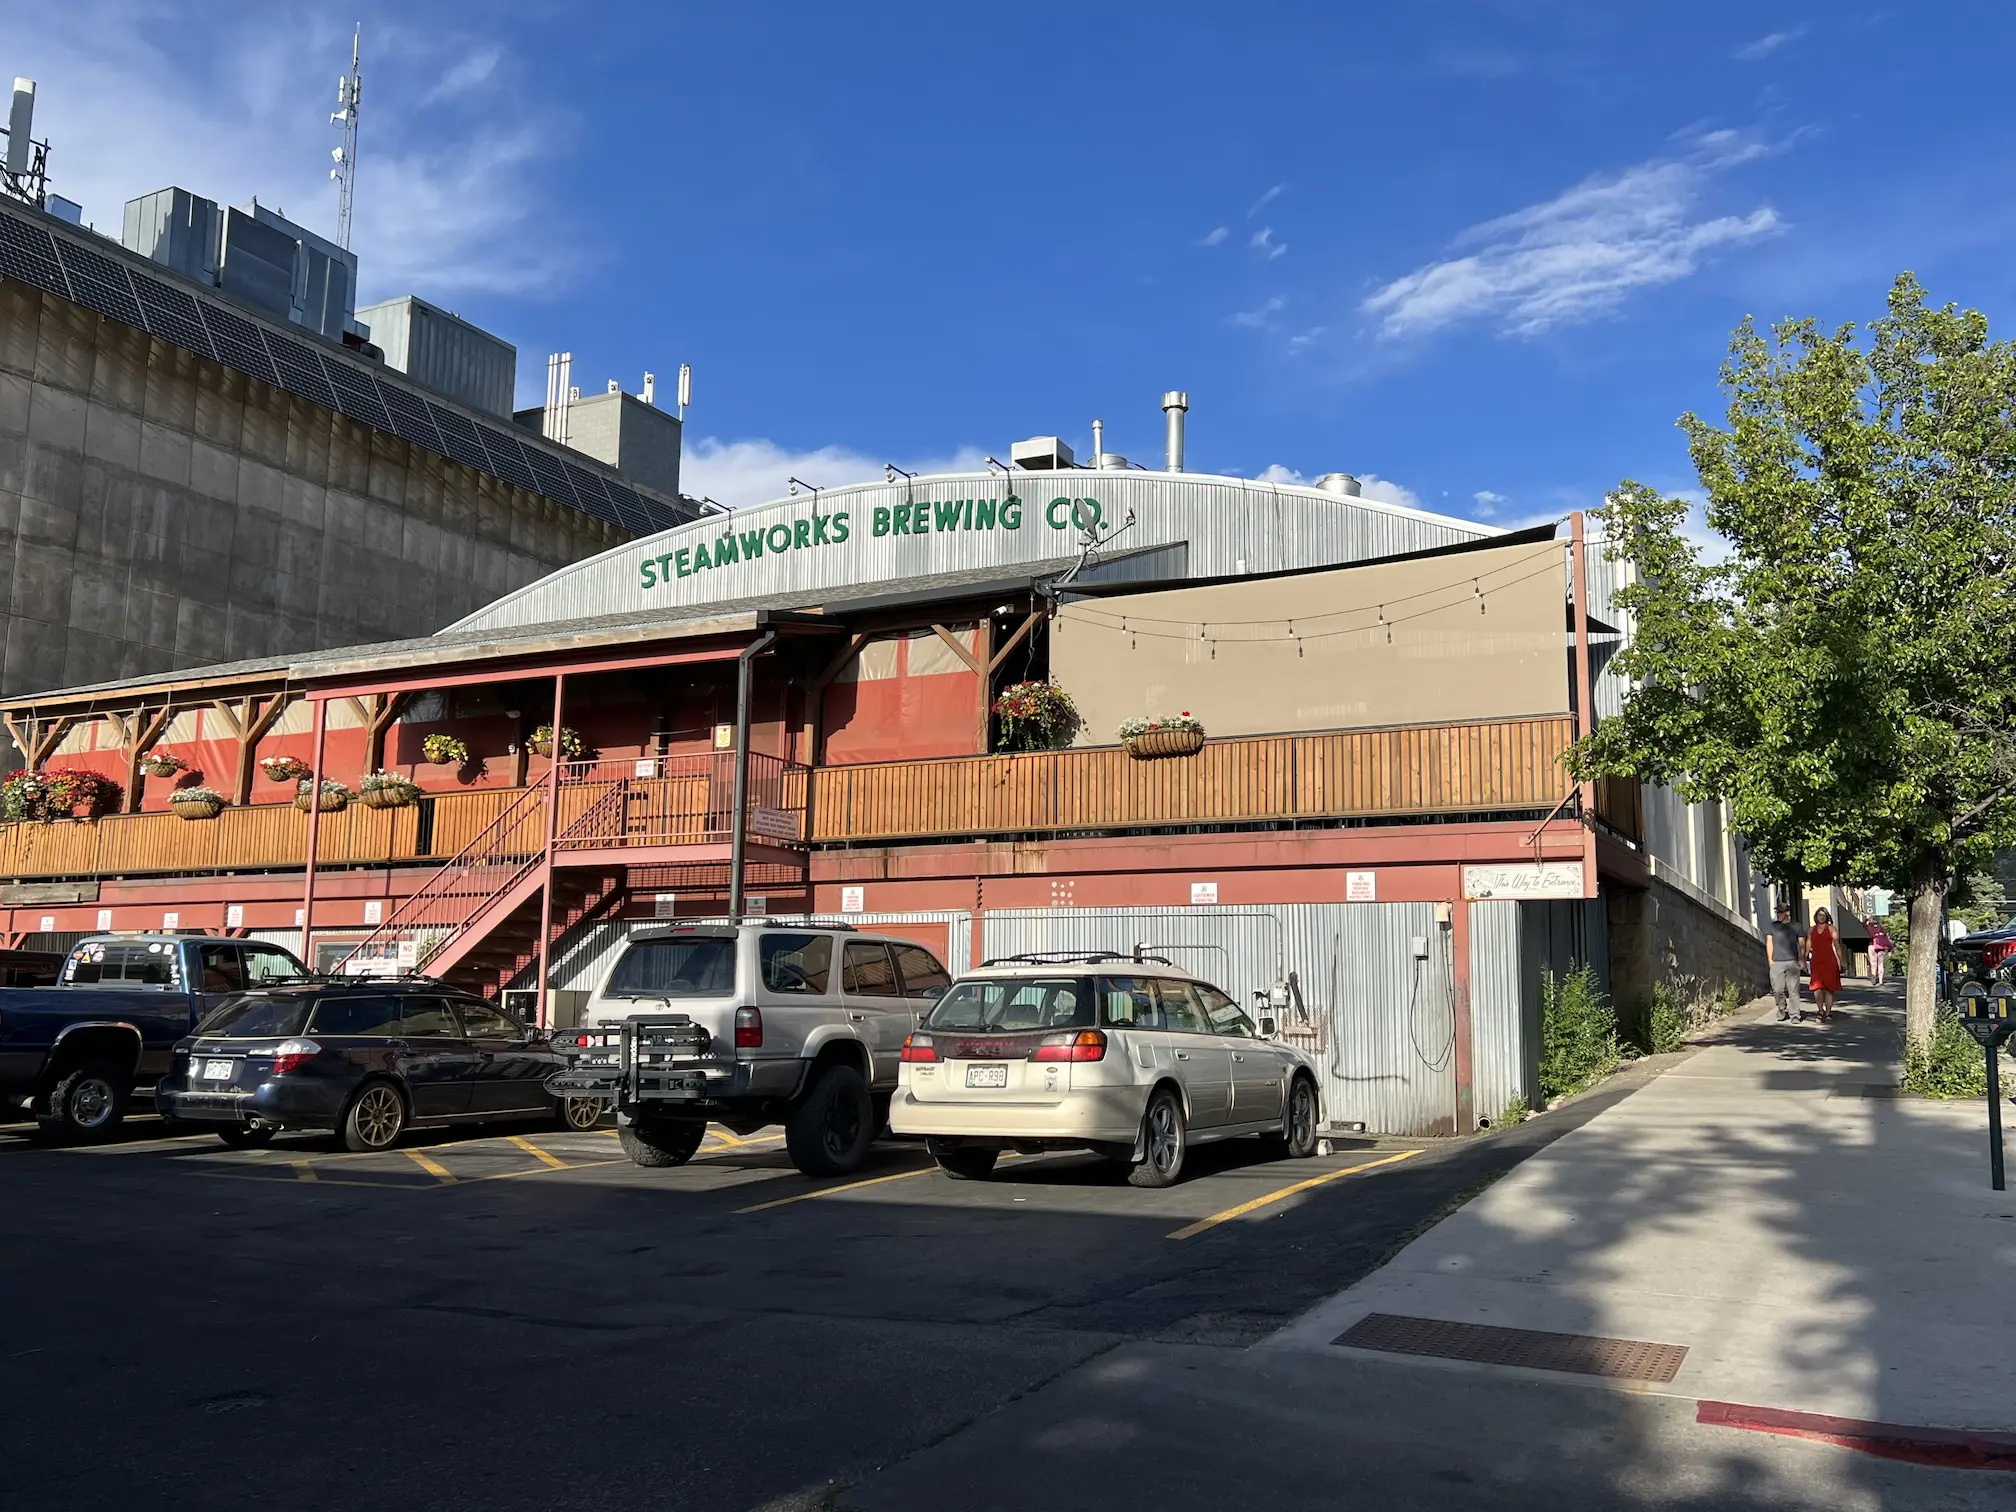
[(1501, 766), (1511, 764)]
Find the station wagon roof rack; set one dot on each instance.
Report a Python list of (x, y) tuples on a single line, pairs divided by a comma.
[(1075, 958)]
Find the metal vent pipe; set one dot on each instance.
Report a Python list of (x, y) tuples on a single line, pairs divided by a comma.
[(1098, 442), (1174, 404), (1339, 483)]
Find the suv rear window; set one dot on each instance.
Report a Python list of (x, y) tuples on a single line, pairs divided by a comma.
[(1009, 1005), (256, 1016), (689, 966)]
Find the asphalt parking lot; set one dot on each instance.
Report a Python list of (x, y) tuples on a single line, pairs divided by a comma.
[(524, 1319)]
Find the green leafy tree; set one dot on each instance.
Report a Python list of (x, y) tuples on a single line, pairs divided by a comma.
[(1844, 678)]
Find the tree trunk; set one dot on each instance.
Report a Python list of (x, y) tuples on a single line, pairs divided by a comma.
[(1921, 978)]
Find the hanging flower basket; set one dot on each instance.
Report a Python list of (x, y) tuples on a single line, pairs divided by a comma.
[(383, 790), (195, 803), (1034, 716), (283, 768), (162, 764), (445, 750), (571, 745), (1149, 739), (329, 796)]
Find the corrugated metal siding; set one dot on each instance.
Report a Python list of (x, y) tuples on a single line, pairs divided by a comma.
[(1387, 1021), (1500, 1050), (1224, 521)]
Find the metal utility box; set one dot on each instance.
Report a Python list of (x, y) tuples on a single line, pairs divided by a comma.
[(444, 352)]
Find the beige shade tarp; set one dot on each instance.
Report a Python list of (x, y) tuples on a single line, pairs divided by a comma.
[(1471, 636)]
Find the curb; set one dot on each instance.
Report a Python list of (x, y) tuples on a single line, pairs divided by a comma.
[(1950, 1448)]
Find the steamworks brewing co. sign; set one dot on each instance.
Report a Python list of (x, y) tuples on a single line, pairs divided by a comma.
[(810, 532)]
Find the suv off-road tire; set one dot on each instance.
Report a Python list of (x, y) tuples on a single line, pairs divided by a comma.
[(1165, 1137), (87, 1104), (374, 1120), (1299, 1134), (661, 1142), (828, 1132), (963, 1162)]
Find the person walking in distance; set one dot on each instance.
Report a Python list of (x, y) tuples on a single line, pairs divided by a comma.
[(1823, 960), (1784, 943), (1879, 951)]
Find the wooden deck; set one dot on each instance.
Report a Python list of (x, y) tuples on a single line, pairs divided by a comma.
[(1502, 766)]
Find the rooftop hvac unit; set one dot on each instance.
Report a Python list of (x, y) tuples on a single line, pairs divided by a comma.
[(1042, 454)]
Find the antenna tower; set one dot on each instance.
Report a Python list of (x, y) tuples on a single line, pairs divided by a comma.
[(349, 88)]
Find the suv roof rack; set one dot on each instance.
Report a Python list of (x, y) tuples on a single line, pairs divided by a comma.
[(370, 979), (1075, 958)]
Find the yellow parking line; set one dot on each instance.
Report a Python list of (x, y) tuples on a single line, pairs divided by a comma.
[(847, 1186), (433, 1168), (304, 1170), (731, 1140), (1193, 1230), (550, 1161)]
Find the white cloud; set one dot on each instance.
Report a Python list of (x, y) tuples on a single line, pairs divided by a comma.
[(1263, 242), (1370, 486), (1214, 236), (445, 187), (1302, 339), (1265, 200), (1576, 256), (1264, 315), (738, 473), (1763, 47), (1487, 503)]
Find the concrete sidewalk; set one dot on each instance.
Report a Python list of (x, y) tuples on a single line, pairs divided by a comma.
[(1813, 1246)]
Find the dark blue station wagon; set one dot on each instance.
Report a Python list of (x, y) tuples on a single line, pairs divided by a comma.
[(366, 1060)]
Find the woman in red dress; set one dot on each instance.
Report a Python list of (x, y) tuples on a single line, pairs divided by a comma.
[(1823, 953)]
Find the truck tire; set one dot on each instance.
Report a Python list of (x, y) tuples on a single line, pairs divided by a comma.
[(963, 1162), (237, 1137), (829, 1130), (661, 1143), (88, 1103)]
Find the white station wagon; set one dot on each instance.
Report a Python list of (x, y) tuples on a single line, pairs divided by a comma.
[(1130, 1057)]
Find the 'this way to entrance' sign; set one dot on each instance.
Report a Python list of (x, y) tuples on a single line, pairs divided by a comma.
[(1554, 879)]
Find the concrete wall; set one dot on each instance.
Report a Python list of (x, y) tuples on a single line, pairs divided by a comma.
[(1662, 933), (1479, 635), (639, 440), (160, 511)]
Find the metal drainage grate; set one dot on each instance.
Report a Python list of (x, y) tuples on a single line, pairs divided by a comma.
[(1582, 1354)]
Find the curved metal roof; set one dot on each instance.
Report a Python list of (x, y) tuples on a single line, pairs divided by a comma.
[(892, 533)]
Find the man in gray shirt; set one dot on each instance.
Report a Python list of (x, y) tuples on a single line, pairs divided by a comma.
[(1784, 947)]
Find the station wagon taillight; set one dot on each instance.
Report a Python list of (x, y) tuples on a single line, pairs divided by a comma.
[(293, 1055), (918, 1049), (748, 1029), (1081, 1045)]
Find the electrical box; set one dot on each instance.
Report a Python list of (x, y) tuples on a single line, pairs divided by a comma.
[(1420, 947)]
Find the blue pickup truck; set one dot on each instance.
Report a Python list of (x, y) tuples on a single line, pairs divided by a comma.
[(73, 1054)]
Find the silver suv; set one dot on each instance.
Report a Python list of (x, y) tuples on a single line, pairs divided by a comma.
[(749, 1025), (1128, 1056)]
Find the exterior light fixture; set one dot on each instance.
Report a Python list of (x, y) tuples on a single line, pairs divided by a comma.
[(890, 471), (798, 483)]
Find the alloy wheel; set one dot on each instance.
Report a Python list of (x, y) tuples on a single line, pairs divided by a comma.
[(1302, 1116), (378, 1116), (843, 1127), (1164, 1144)]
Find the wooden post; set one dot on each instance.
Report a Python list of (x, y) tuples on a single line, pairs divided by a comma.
[(378, 719), (136, 740), (552, 834), (1585, 712), (985, 672), (314, 835)]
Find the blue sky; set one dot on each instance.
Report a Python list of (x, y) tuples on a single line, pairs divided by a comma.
[(1483, 253)]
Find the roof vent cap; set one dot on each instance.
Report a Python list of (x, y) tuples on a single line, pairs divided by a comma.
[(1341, 484)]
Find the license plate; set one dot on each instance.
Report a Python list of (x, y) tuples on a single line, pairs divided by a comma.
[(987, 1076), (218, 1070)]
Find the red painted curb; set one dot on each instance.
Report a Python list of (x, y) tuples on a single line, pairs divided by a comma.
[(1951, 1448)]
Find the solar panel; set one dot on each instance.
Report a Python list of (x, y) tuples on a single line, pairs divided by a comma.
[(588, 489), (99, 283), (629, 508), (171, 314), (506, 460), (238, 343), (27, 254), (356, 394), (410, 420), (301, 370), (458, 439), (551, 475)]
